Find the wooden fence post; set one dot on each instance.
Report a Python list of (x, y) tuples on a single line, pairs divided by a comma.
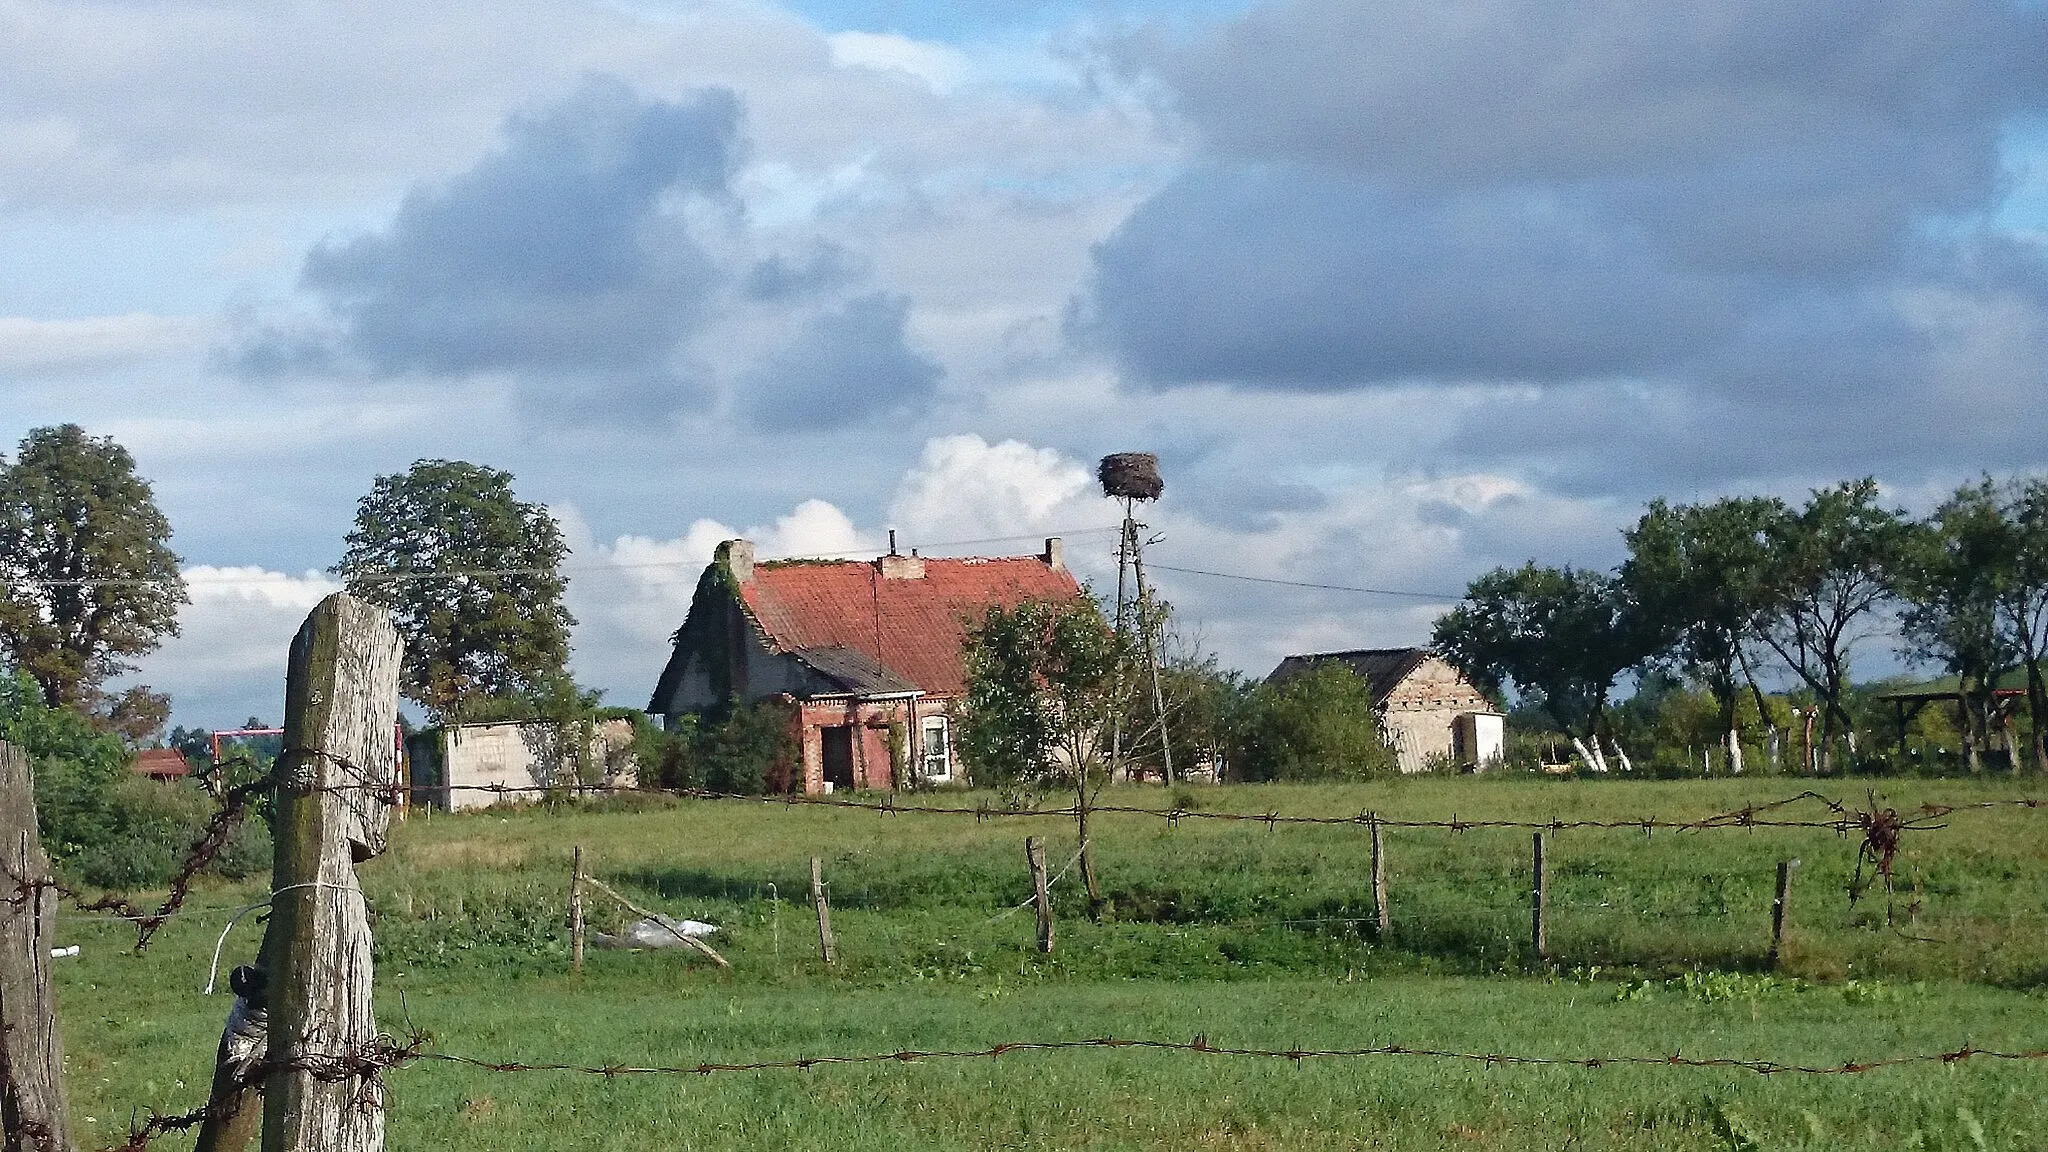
[(31, 1053), (824, 910), (1539, 902), (336, 779), (1034, 854), (1778, 903), (1379, 880), (576, 911)]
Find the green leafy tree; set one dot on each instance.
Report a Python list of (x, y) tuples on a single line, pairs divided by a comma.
[(1696, 574), (1046, 682), (90, 579), (2023, 601), (1953, 569), (1319, 724), (472, 576), (1830, 567), (1560, 636)]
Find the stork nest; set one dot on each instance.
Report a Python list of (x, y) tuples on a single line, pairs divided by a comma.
[(1131, 476)]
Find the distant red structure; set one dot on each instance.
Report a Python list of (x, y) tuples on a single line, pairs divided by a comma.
[(163, 764)]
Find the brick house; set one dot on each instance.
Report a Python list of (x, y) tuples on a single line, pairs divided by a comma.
[(865, 654), (1427, 708)]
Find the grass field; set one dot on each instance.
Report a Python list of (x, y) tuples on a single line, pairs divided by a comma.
[(1244, 935)]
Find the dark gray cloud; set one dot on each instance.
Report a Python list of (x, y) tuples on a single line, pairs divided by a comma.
[(845, 365), (563, 256), (1729, 218)]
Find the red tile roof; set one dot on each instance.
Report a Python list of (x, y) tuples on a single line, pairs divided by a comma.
[(913, 626), (162, 764)]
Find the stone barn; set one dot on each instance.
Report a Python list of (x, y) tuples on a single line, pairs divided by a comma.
[(1427, 708), (865, 654)]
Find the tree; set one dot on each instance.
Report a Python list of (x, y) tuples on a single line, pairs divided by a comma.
[(1829, 567), (1696, 573), (472, 577), (90, 578), (2023, 601), (1560, 636), (1045, 682), (1317, 725), (1954, 568)]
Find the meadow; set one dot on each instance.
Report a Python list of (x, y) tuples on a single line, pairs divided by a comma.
[(1244, 934)]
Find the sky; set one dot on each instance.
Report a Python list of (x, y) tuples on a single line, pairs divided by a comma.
[(1398, 292)]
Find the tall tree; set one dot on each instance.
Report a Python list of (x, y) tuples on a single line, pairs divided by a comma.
[(2023, 601), (472, 577), (1954, 568), (90, 578), (1830, 567), (1560, 636), (1696, 572)]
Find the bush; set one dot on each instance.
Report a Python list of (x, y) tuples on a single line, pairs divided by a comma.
[(102, 823), (1318, 725), (748, 750)]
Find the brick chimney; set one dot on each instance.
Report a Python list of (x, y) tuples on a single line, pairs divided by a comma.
[(1055, 556), (896, 567)]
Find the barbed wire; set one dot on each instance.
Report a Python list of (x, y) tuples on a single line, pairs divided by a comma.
[(372, 1060), (1201, 1045)]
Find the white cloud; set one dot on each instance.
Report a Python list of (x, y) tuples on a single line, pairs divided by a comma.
[(228, 660), (964, 488), (942, 69), (95, 343)]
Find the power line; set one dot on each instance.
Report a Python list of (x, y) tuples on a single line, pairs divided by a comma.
[(1445, 596), (454, 573)]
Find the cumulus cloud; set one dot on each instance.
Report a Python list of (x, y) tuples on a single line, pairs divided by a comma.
[(228, 659), (1745, 206)]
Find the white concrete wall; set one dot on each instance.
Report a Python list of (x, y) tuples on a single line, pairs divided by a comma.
[(514, 755)]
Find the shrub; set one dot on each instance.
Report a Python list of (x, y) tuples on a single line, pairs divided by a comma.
[(1317, 725)]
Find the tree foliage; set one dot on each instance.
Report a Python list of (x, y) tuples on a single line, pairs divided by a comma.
[(1953, 568), (1319, 724), (1043, 690), (1560, 636), (77, 521), (472, 577), (1829, 566), (1696, 573)]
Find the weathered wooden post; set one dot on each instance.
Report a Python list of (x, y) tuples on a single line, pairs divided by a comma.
[(576, 911), (31, 1054), (234, 1106), (825, 948), (1034, 854), (336, 781), (1539, 903), (1778, 907), (1379, 880)]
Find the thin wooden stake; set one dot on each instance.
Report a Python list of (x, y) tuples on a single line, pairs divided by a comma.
[(635, 909), (825, 948), (1379, 880), (576, 910), (336, 784), (31, 1052), (1778, 907), (1539, 902), (1034, 854)]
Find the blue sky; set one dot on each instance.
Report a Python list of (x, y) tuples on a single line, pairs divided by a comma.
[(1398, 292)]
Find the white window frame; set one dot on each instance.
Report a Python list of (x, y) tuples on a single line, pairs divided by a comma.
[(927, 744)]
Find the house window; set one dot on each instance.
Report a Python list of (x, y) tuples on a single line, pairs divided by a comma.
[(938, 760)]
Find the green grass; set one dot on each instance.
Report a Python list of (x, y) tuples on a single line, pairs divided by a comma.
[(1244, 935)]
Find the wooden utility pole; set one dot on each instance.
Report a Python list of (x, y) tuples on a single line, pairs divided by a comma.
[(1778, 908), (576, 911), (337, 778), (1539, 903), (825, 948), (31, 1053), (1379, 880), (1034, 854)]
